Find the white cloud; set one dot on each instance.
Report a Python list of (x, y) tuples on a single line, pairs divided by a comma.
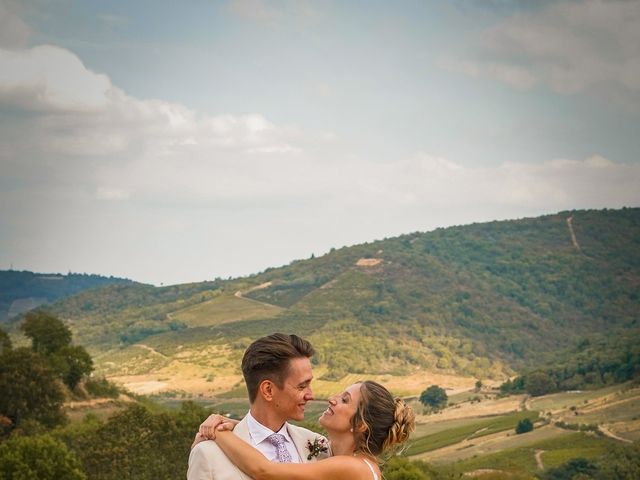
[(569, 46), (14, 33), (149, 180), (96, 138), (50, 78), (426, 181), (78, 112)]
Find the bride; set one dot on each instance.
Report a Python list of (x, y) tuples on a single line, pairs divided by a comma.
[(362, 423)]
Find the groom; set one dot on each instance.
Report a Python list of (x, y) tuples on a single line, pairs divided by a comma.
[(277, 371)]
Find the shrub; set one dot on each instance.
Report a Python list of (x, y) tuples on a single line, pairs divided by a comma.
[(101, 387), (39, 457), (434, 397), (525, 425)]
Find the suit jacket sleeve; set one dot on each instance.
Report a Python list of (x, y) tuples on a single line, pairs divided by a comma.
[(207, 461), (199, 465)]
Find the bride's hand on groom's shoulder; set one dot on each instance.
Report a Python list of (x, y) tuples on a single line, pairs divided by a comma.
[(197, 439), (215, 423)]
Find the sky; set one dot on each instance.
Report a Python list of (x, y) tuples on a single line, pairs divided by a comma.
[(172, 142)]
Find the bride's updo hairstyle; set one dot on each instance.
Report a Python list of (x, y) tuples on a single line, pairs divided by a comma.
[(381, 422)]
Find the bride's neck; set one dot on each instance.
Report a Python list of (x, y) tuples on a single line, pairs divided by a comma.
[(342, 444)]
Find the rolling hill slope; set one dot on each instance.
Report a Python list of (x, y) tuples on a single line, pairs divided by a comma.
[(22, 290), (481, 300)]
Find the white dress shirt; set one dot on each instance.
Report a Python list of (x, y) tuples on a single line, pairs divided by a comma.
[(259, 434)]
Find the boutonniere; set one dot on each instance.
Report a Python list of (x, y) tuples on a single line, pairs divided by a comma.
[(318, 446)]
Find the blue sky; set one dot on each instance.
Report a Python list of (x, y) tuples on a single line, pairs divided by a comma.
[(181, 141)]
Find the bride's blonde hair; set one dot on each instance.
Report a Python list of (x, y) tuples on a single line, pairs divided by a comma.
[(381, 422)]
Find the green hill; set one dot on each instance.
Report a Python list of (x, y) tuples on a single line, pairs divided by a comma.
[(22, 290), (481, 300)]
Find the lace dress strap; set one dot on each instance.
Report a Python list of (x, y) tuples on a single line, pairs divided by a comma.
[(373, 472)]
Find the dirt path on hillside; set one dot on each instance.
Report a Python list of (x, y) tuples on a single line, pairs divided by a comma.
[(539, 459), (475, 433), (96, 401), (240, 293), (604, 403), (574, 240), (147, 347), (481, 472), (608, 433)]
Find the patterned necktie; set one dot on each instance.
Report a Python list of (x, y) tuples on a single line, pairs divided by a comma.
[(282, 455)]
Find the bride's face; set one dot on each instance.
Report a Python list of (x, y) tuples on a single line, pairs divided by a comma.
[(342, 407)]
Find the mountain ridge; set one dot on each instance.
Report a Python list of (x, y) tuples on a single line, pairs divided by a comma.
[(24, 290), (482, 300)]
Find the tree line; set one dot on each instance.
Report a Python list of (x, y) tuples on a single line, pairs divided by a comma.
[(593, 363)]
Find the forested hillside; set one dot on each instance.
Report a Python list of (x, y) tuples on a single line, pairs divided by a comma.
[(481, 300), (21, 290)]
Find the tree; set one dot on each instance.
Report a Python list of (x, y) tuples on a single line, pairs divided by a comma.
[(29, 389), (525, 425), (136, 443), (434, 397), (574, 468), (47, 333), (620, 463), (40, 457), (5, 342), (478, 385), (51, 338), (72, 363), (539, 383), (513, 386)]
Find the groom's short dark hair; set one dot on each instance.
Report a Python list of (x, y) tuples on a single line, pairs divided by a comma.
[(268, 359)]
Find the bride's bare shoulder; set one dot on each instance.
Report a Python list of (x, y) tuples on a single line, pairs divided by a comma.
[(352, 468)]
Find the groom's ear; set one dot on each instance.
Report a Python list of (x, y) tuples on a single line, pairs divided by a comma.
[(265, 389)]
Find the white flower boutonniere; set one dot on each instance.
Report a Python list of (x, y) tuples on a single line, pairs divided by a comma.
[(318, 446)]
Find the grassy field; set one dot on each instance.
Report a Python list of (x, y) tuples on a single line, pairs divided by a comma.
[(424, 429), (488, 446), (617, 409), (565, 400), (485, 408), (225, 309), (558, 450), (468, 431), (553, 452)]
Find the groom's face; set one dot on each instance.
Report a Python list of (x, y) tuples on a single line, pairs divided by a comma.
[(290, 400)]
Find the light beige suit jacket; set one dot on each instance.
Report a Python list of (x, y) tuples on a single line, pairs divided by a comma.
[(208, 462)]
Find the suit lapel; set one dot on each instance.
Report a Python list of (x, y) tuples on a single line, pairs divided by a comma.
[(300, 442), (242, 431)]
